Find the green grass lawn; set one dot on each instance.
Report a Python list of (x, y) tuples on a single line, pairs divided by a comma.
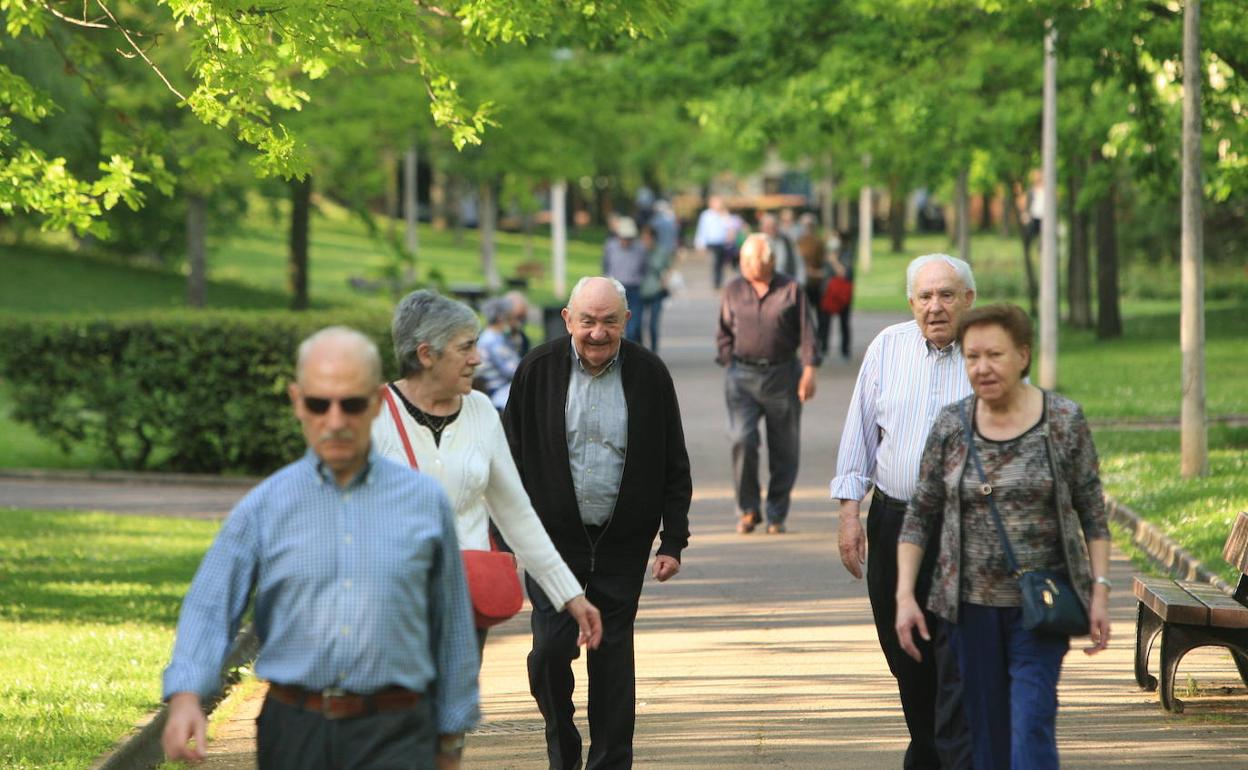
[(88, 604), (38, 280), (1141, 469)]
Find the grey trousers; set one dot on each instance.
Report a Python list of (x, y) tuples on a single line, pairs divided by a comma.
[(768, 393)]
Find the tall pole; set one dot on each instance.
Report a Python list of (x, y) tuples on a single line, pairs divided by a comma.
[(559, 236), (409, 198), (1194, 438), (1048, 222)]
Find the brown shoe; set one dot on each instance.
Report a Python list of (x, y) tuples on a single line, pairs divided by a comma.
[(749, 520), (775, 529)]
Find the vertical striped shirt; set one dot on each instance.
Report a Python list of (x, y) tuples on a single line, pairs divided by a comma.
[(358, 587), (903, 383), (596, 416)]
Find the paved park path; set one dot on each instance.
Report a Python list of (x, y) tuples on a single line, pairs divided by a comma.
[(762, 652)]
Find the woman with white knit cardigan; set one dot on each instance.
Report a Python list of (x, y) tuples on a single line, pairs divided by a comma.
[(457, 438)]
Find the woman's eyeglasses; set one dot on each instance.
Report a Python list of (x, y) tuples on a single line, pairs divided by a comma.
[(349, 405)]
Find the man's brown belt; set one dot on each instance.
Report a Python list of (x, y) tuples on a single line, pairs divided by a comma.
[(337, 704)]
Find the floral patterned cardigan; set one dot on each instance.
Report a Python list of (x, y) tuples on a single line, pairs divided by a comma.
[(1077, 481)]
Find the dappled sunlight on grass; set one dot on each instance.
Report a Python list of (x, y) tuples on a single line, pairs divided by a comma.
[(88, 602)]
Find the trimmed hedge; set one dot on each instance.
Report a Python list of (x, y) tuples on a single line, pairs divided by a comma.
[(193, 391)]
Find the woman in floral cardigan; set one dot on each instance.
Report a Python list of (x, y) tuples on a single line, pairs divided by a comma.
[(1038, 456)]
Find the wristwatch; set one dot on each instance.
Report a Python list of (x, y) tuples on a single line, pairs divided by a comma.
[(1109, 586), (451, 745)]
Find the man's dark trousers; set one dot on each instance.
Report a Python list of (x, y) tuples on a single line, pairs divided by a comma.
[(292, 738), (768, 393), (611, 669), (931, 694)]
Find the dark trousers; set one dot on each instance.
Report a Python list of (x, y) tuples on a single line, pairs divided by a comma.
[(1010, 679), (768, 393), (930, 690), (653, 311), (612, 678), (632, 329), (290, 738), (720, 257)]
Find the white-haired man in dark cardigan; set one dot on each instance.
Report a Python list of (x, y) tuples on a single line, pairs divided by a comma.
[(595, 430)]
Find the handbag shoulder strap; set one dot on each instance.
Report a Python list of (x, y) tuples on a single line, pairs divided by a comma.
[(398, 425), (986, 489), (407, 444)]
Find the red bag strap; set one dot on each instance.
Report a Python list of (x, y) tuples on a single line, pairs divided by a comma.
[(398, 425), (407, 444)]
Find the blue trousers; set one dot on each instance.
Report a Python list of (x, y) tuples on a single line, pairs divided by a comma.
[(768, 393), (1009, 687), (632, 330)]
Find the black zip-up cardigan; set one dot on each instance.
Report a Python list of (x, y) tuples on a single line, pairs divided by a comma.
[(655, 487)]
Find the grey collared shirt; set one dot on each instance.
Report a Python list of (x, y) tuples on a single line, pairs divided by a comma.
[(597, 420)]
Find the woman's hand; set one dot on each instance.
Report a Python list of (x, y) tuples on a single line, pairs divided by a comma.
[(587, 619), (1098, 620), (910, 619)]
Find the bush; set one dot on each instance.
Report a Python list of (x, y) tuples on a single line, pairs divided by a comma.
[(178, 390)]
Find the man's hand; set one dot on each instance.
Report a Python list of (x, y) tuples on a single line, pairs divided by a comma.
[(850, 538), (665, 568), (588, 619), (910, 619), (186, 722), (447, 761), (806, 386)]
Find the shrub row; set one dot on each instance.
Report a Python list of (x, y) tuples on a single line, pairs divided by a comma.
[(193, 391)]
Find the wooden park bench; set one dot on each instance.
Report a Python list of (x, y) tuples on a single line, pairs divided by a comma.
[(1190, 614)]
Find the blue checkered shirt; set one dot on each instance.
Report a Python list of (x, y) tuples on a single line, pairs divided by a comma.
[(358, 587)]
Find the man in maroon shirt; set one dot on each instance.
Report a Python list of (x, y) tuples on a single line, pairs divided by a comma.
[(766, 342)]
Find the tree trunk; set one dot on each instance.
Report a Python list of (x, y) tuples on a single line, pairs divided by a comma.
[(1193, 432), (896, 216), (300, 222), (1108, 317), (866, 223), (1079, 278), (391, 193), (985, 212), (438, 196), (964, 215), (487, 213), (455, 209), (1029, 270), (828, 199), (196, 250), (844, 214), (412, 239)]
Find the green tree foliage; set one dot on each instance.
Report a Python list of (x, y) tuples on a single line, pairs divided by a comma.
[(247, 66)]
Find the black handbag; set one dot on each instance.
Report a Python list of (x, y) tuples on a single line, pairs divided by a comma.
[(1050, 605)]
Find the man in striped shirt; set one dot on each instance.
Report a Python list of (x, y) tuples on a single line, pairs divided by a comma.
[(910, 371)]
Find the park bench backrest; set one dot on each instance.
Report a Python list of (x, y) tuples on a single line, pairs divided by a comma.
[(1236, 554)]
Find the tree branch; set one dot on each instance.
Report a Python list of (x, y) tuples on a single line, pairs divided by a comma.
[(83, 22), (138, 50)]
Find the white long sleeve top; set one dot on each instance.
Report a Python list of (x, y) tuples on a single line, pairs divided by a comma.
[(475, 468)]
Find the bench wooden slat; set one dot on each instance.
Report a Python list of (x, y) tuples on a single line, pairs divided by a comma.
[(1170, 602), (1236, 549), (1224, 611)]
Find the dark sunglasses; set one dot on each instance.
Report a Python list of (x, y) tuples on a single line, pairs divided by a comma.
[(349, 405)]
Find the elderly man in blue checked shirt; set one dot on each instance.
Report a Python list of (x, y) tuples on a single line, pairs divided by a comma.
[(910, 371), (363, 615)]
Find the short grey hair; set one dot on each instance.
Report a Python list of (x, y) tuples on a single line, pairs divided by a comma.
[(959, 266), (756, 245), (497, 309), (619, 288), (356, 341), (425, 317)]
